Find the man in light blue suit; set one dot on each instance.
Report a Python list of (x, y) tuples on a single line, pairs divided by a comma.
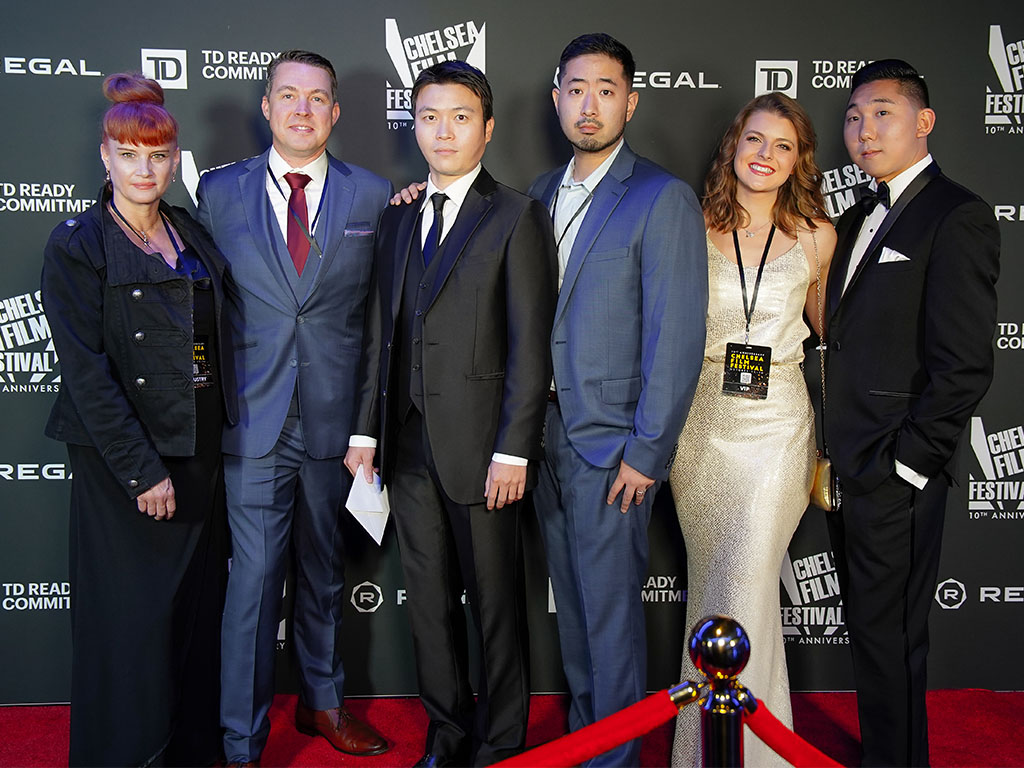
[(297, 227), (627, 347)]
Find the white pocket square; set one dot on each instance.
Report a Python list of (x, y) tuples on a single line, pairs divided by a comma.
[(889, 255)]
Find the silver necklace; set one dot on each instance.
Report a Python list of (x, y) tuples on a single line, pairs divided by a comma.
[(752, 233)]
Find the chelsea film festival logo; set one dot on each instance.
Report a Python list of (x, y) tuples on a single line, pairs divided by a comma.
[(410, 55), (1004, 105), (815, 614), (999, 493), (28, 362)]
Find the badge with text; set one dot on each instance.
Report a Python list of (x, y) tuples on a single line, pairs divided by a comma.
[(202, 368), (746, 371)]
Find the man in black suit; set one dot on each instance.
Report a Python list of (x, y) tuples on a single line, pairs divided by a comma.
[(912, 310), (455, 377)]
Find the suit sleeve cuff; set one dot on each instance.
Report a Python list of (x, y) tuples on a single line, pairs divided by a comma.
[(913, 477), (361, 441), (515, 461)]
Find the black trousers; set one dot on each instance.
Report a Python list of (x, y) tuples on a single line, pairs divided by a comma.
[(887, 544), (447, 547)]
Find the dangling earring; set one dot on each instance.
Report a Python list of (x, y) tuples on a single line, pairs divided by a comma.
[(108, 175), (174, 177)]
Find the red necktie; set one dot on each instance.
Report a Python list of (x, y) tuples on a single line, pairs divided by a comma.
[(298, 244)]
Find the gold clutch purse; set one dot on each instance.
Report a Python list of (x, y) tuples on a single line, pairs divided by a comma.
[(823, 491)]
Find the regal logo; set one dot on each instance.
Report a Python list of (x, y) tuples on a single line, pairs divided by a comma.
[(1004, 109), (410, 55), (997, 495), (28, 362), (815, 615)]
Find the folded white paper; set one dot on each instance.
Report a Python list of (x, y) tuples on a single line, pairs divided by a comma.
[(368, 503)]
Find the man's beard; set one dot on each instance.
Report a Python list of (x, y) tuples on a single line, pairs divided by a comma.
[(593, 144)]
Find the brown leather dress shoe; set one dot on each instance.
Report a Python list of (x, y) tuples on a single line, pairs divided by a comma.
[(345, 732)]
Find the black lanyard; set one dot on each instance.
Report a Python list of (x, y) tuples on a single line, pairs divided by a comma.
[(554, 208), (174, 243), (748, 311), (323, 196)]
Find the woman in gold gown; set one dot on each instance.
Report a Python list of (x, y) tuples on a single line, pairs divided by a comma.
[(745, 461)]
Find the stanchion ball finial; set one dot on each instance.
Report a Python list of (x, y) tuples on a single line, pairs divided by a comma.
[(719, 647)]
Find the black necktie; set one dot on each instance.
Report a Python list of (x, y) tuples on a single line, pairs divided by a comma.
[(433, 240), (870, 197)]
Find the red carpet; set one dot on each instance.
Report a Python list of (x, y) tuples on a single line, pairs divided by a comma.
[(968, 728)]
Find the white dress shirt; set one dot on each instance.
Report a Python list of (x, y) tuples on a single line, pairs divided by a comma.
[(456, 192), (571, 203), (897, 186), (278, 190)]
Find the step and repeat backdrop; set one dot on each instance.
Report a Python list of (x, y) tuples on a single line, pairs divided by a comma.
[(697, 64)]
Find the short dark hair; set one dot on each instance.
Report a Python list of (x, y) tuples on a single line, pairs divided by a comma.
[(456, 73), (303, 57), (599, 43), (910, 81)]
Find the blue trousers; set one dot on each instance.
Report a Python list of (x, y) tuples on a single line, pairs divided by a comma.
[(282, 496), (597, 561)]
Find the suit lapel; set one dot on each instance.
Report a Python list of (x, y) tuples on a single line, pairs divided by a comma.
[(844, 248), (912, 190), (340, 192), (473, 210), (606, 197), (549, 192), (407, 229), (252, 187)]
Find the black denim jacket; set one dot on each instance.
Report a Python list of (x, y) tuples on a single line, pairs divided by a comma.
[(121, 322)]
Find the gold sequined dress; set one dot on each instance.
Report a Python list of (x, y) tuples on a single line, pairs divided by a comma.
[(741, 480)]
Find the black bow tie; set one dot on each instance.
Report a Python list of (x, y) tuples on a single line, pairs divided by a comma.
[(870, 197)]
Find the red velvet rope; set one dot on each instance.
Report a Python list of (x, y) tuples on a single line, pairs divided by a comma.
[(574, 748), (786, 744)]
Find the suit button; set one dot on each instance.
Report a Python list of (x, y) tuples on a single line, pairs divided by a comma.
[(300, 319), (836, 346), (140, 382), (388, 345), (133, 483), (140, 336), (137, 294), (416, 367), (383, 393), (419, 313), (415, 339), (293, 362), (424, 285)]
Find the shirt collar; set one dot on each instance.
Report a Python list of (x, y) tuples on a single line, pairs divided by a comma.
[(316, 170), (899, 183), (590, 183), (456, 191)]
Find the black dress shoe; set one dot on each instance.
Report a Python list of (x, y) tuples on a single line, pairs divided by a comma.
[(431, 760)]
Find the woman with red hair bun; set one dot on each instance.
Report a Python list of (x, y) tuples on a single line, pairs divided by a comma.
[(133, 290)]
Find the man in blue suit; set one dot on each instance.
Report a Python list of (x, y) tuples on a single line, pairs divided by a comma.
[(627, 347), (297, 227)]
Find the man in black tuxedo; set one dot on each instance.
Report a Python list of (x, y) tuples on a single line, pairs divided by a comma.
[(455, 377), (912, 311)]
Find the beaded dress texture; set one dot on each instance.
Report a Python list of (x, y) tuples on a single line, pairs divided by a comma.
[(741, 480)]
